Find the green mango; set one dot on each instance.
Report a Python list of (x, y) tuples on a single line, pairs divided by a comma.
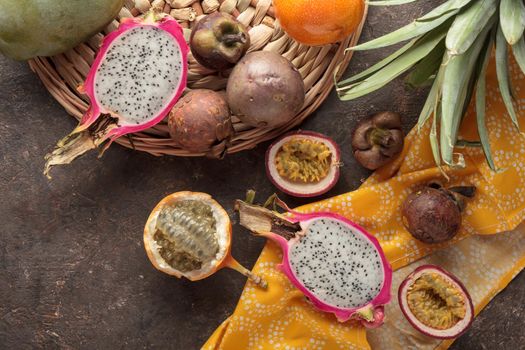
[(30, 28)]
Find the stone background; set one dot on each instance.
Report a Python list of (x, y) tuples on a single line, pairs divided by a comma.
[(73, 272)]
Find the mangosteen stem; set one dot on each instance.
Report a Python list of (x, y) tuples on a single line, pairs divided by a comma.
[(250, 196), (380, 137), (232, 39), (465, 191)]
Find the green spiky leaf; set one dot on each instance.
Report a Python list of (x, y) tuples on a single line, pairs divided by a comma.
[(425, 69), (512, 19), (376, 67), (420, 26), (394, 69), (502, 71), (468, 24), (432, 100), (481, 105), (456, 83), (433, 136), (389, 2), (518, 50)]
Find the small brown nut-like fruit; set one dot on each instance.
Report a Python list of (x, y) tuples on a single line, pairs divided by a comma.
[(218, 41), (377, 140), (199, 120), (431, 216)]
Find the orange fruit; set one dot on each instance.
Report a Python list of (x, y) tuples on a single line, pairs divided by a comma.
[(319, 22)]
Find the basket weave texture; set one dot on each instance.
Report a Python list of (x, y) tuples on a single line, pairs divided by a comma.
[(62, 74)]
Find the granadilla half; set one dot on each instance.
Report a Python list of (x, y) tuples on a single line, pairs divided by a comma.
[(435, 302), (303, 163), (188, 234)]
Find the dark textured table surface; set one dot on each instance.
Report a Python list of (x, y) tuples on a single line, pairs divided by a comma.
[(73, 272)]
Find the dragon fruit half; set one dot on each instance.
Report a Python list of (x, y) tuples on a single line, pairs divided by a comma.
[(338, 266), (138, 75)]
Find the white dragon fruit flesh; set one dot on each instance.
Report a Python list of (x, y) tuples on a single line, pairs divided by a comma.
[(337, 265), (138, 75)]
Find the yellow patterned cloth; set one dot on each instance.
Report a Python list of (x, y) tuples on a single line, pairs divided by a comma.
[(280, 318)]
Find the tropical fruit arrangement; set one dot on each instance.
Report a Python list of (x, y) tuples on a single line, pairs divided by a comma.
[(334, 262), (140, 73), (222, 37), (139, 78)]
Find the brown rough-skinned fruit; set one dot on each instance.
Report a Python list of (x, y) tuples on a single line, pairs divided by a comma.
[(431, 215), (265, 89), (377, 140), (218, 41), (200, 119)]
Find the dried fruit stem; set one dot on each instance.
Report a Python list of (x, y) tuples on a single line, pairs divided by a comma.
[(466, 191), (232, 39), (250, 196), (234, 264), (79, 142), (366, 313), (261, 221)]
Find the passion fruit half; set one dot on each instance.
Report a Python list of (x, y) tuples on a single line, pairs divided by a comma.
[(303, 163), (188, 234), (435, 302)]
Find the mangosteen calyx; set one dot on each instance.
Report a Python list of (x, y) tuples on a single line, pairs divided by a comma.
[(465, 191), (378, 139), (219, 41), (459, 193)]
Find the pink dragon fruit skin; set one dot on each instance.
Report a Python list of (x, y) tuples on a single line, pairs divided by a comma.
[(95, 127), (165, 23), (370, 314)]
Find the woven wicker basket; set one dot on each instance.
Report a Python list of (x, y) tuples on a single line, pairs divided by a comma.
[(62, 74)]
